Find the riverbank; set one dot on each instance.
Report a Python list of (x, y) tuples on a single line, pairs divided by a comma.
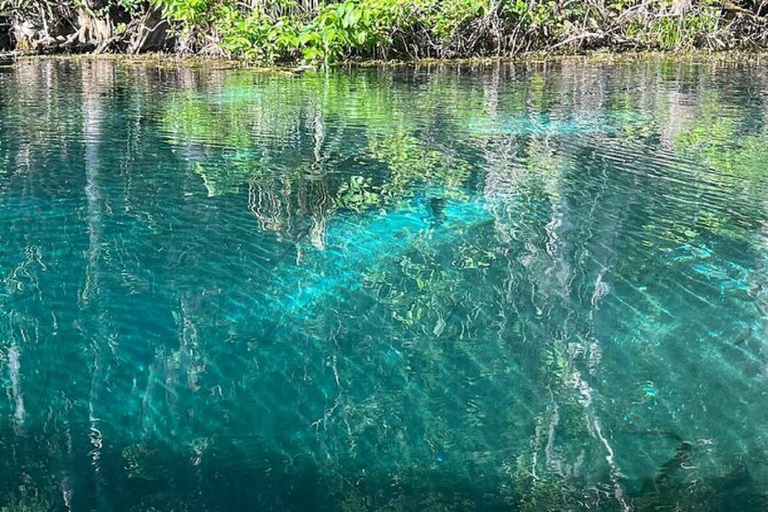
[(169, 60), (295, 32)]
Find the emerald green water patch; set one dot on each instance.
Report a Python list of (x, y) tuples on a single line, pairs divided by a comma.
[(515, 287)]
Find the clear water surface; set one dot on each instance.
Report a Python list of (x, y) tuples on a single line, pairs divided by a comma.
[(539, 287)]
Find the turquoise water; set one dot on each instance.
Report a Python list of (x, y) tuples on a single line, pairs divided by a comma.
[(539, 287)]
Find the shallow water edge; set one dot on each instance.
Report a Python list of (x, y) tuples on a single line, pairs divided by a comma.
[(590, 57)]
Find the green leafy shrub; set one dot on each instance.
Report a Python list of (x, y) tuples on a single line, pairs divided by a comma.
[(258, 36), (271, 31)]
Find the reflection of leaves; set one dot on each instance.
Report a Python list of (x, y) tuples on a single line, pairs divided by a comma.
[(259, 115), (357, 194), (410, 162), (224, 179), (717, 140), (740, 169), (189, 117)]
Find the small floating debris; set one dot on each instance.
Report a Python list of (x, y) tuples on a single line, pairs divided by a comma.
[(440, 456)]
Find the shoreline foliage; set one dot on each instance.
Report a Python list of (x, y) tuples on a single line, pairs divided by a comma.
[(322, 32)]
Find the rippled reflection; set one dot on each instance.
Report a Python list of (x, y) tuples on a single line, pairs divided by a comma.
[(538, 287)]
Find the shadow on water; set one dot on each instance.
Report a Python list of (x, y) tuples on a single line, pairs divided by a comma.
[(673, 488), (227, 475), (239, 474)]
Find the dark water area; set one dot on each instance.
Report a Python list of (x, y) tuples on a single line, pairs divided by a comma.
[(534, 287)]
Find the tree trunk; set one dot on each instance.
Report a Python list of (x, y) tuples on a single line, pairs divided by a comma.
[(5, 34), (152, 33), (93, 29)]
